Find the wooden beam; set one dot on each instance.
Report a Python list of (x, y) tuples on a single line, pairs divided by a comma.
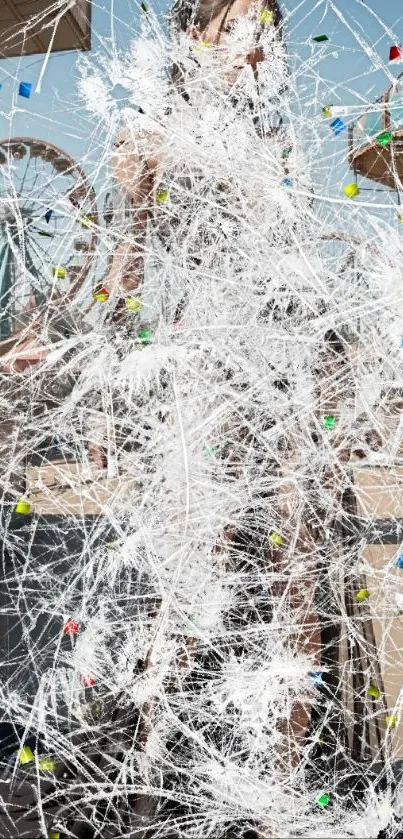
[(18, 16)]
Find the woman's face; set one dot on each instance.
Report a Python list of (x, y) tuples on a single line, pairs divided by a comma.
[(217, 32)]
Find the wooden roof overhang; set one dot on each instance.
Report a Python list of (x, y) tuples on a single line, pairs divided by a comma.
[(24, 28), (383, 164)]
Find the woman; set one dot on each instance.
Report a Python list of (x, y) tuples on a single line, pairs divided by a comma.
[(139, 162), (142, 159), (228, 557)]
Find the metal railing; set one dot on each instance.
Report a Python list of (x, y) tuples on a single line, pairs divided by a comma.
[(385, 114)]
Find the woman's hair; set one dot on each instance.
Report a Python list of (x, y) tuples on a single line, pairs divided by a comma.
[(199, 13), (186, 13)]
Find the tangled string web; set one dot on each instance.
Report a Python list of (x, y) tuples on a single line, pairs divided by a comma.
[(197, 640)]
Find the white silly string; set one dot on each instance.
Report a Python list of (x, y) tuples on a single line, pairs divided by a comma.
[(197, 616)]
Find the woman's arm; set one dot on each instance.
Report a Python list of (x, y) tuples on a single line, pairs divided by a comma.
[(23, 355), (134, 168)]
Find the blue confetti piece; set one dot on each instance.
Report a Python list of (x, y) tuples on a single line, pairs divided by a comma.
[(337, 125), (48, 215), (399, 562), (25, 89), (287, 182), (317, 679)]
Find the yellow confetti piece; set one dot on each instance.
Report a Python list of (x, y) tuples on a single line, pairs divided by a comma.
[(133, 304), (23, 507), (101, 294), (86, 221), (26, 755), (362, 595), (59, 273), (391, 720), (96, 708), (351, 190), (202, 45), (276, 538), (327, 111), (46, 764), (54, 835), (374, 691), (266, 16), (162, 196), (400, 216)]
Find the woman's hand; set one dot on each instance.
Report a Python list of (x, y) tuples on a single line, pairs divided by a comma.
[(126, 160), (126, 271), (134, 160), (25, 355)]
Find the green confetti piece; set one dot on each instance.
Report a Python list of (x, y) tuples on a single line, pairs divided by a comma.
[(384, 138), (391, 720), (210, 450), (329, 422), (145, 336), (319, 39), (323, 800), (144, 8)]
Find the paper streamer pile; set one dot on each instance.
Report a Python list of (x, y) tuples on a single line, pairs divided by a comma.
[(205, 652)]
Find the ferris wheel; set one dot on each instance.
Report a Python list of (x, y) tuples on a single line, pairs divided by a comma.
[(48, 233)]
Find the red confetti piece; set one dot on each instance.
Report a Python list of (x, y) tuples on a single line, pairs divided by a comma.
[(71, 627), (88, 681), (395, 53)]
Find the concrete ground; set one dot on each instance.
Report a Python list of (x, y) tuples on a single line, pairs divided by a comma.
[(68, 501)]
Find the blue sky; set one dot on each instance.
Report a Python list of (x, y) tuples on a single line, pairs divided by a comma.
[(351, 68)]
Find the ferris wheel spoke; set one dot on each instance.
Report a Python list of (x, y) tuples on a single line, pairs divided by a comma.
[(44, 198), (23, 178)]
